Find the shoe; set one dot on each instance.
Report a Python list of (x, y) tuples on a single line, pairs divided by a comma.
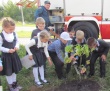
[(75, 63), (11, 88), (62, 78), (45, 81), (39, 84), (90, 75), (102, 76), (15, 85)]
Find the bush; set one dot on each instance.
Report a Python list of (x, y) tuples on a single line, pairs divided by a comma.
[(21, 52)]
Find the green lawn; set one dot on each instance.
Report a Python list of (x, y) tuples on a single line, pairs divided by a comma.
[(25, 24), (26, 79), (24, 34)]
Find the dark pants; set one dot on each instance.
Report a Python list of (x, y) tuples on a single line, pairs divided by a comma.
[(82, 61), (58, 64), (68, 66), (102, 64)]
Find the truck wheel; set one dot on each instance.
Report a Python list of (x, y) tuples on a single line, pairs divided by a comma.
[(88, 28)]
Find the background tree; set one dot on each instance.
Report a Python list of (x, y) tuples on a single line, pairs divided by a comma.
[(12, 10)]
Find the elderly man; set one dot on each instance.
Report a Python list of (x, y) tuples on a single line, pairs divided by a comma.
[(42, 11)]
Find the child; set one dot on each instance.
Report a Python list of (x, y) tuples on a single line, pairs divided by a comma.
[(68, 66), (101, 49), (40, 23), (56, 49), (9, 45), (79, 39), (72, 33), (1, 66), (36, 49)]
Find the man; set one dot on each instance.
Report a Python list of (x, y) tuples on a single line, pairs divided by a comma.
[(42, 11), (101, 49)]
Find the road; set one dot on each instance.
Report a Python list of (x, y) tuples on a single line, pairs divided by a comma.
[(22, 28), (24, 41)]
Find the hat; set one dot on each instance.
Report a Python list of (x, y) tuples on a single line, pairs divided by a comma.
[(65, 36), (47, 2), (79, 34)]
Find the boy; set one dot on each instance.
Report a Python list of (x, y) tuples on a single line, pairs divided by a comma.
[(40, 23), (101, 49), (71, 34), (78, 39), (56, 49)]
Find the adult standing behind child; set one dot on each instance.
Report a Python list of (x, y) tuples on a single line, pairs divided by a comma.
[(37, 49), (10, 59), (56, 49), (101, 49), (42, 11)]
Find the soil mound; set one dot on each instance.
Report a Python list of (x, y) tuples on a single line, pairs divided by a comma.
[(76, 85)]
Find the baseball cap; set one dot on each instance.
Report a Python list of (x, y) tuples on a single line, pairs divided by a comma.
[(65, 36), (79, 34), (47, 2)]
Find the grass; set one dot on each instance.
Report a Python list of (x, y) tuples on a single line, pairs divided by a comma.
[(24, 34), (25, 24), (27, 34), (26, 80)]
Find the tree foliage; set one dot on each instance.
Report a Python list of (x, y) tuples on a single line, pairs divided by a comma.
[(12, 10)]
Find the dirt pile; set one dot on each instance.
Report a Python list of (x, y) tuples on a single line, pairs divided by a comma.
[(84, 85)]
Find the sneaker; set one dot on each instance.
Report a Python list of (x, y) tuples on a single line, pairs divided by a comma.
[(45, 81), (15, 85), (38, 84), (75, 63), (11, 88)]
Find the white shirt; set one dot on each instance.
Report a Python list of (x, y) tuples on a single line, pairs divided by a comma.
[(9, 38), (40, 44)]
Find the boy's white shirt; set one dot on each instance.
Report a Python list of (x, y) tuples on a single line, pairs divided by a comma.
[(8, 38), (40, 44)]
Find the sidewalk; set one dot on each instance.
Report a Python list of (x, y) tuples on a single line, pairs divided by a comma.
[(24, 41)]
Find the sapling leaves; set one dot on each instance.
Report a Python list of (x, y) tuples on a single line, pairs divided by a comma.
[(77, 50)]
